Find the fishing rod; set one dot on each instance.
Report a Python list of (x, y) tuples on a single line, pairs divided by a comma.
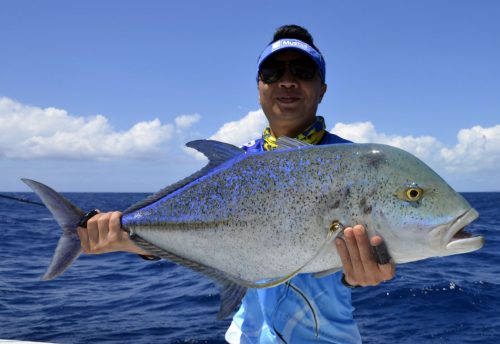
[(22, 199), (81, 223)]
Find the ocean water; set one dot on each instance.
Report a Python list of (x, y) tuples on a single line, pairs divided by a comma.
[(119, 298)]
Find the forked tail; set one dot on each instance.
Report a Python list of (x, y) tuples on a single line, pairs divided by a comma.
[(67, 216)]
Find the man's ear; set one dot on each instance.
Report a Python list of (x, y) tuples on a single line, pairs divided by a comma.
[(324, 87)]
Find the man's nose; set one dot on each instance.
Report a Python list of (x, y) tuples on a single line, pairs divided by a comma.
[(288, 80)]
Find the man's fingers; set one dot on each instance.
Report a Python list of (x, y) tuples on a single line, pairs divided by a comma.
[(353, 251), (352, 246), (115, 222), (103, 228), (386, 267), (376, 240), (93, 231), (365, 261), (84, 239), (381, 254), (97, 231), (364, 247), (104, 234), (387, 271), (344, 256)]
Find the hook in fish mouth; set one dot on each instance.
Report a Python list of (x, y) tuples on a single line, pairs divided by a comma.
[(459, 240)]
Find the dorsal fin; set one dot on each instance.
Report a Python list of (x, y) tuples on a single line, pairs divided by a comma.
[(216, 152), (286, 142)]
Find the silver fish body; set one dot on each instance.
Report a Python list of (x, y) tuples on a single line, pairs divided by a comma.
[(258, 219)]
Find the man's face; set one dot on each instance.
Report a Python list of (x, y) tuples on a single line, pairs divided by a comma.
[(290, 102)]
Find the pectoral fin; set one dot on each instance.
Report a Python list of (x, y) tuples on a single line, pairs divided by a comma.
[(326, 272)]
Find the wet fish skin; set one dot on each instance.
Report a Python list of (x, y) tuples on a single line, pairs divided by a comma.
[(288, 199), (253, 220)]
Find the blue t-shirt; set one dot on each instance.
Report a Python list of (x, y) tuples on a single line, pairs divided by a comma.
[(303, 310)]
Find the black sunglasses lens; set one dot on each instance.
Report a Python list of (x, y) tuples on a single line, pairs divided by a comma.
[(271, 74), (302, 71)]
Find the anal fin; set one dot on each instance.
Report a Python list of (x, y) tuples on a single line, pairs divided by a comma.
[(232, 290)]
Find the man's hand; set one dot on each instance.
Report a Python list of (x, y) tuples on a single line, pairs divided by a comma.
[(104, 234), (360, 265)]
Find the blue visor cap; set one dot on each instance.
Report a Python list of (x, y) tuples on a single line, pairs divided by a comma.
[(290, 43)]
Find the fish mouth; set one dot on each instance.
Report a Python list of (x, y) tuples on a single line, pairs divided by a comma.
[(458, 239)]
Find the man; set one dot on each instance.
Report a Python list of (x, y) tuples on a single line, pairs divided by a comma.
[(291, 83)]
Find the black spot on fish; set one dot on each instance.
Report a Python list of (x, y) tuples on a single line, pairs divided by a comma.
[(347, 192), (374, 159), (336, 204), (366, 207)]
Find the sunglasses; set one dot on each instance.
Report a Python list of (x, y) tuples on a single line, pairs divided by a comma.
[(272, 71)]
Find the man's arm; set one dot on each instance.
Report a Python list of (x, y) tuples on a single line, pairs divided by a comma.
[(360, 265)]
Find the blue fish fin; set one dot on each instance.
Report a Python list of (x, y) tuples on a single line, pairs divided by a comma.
[(326, 272), (67, 216), (286, 142), (217, 153), (232, 290)]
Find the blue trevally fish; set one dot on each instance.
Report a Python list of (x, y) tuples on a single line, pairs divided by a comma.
[(255, 220)]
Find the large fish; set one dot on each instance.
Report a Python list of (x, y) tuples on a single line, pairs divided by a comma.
[(255, 220)]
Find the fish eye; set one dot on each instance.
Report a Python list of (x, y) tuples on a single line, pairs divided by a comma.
[(413, 194)]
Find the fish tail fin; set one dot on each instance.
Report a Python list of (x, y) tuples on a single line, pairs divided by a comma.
[(67, 216)]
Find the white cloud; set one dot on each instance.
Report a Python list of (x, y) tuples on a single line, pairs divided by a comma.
[(28, 132), (185, 121), (424, 147), (243, 130), (477, 150)]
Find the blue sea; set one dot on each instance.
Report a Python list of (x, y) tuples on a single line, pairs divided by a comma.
[(119, 298)]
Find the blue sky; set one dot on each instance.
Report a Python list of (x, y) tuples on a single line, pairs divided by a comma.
[(102, 95)]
